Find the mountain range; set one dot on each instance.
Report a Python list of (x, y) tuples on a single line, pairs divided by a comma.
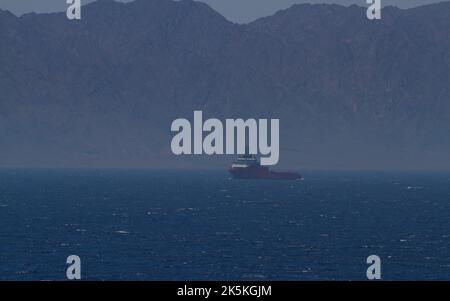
[(350, 93)]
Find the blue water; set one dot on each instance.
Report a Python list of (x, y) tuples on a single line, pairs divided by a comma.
[(148, 225)]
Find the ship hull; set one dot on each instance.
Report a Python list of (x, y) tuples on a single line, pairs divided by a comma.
[(263, 173)]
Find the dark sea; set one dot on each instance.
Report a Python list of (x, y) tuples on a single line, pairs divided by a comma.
[(167, 225)]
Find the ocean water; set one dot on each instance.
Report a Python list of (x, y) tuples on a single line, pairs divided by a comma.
[(167, 225)]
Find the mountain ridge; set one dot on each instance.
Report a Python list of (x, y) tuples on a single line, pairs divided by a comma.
[(102, 92)]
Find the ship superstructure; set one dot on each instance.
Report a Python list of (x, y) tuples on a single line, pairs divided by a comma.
[(248, 167)]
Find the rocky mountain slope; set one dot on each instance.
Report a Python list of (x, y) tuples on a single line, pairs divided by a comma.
[(103, 91)]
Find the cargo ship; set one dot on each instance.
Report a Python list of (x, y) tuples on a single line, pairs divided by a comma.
[(249, 167)]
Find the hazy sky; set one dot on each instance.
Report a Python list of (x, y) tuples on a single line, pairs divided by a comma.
[(233, 10)]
